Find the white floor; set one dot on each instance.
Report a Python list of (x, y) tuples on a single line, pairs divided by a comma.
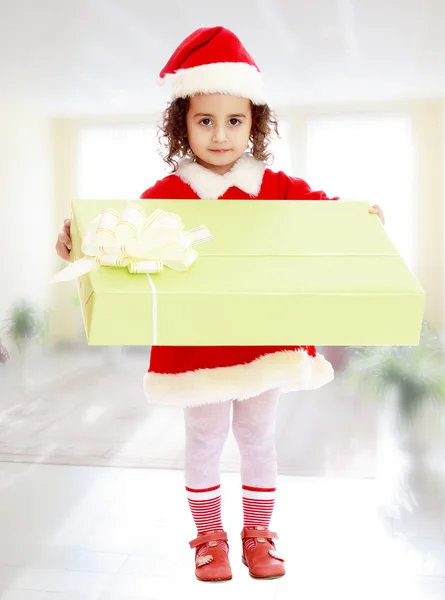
[(120, 534), (88, 408), (120, 531)]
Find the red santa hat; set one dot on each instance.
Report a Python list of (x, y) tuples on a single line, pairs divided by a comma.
[(213, 60)]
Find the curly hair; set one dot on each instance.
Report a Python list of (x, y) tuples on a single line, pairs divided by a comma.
[(172, 132)]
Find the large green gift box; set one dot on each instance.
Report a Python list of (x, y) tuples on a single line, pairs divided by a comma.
[(277, 273)]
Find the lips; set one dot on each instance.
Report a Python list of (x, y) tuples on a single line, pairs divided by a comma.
[(219, 151)]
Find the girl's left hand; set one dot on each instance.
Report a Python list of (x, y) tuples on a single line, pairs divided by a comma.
[(376, 210)]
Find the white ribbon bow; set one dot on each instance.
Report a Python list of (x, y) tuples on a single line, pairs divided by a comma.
[(140, 243)]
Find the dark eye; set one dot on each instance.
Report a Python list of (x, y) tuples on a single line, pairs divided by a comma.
[(234, 122), (205, 122)]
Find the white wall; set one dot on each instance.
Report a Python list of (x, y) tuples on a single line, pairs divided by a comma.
[(66, 322), (430, 195), (27, 208), (441, 215)]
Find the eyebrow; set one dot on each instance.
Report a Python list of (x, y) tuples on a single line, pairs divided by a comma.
[(229, 116)]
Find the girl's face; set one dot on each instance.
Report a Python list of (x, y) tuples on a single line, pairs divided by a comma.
[(218, 129)]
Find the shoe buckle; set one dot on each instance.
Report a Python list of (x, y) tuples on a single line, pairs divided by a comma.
[(261, 539), (204, 560), (213, 544)]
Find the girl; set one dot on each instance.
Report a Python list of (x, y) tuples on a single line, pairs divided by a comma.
[(216, 131)]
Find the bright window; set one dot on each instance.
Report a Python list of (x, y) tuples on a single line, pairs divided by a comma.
[(280, 148), (367, 157), (118, 161)]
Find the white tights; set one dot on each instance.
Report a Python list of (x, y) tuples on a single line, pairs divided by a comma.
[(253, 426)]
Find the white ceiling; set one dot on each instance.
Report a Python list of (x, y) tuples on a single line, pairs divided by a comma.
[(103, 56)]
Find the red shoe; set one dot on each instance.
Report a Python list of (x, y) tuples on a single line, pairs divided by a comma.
[(214, 565), (262, 560)]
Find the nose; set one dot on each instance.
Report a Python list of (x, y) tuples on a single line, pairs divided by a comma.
[(219, 134)]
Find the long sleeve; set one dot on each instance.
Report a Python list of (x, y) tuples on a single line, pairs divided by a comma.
[(158, 190), (169, 188), (293, 188)]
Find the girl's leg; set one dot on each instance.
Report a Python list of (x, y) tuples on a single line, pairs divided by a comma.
[(206, 430), (254, 424)]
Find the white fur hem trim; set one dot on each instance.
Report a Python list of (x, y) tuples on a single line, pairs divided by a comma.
[(246, 174), (284, 370), (236, 79)]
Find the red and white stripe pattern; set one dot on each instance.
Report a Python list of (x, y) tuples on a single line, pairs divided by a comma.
[(258, 505), (205, 505)]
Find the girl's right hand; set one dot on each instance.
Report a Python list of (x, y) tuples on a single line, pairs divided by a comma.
[(63, 245)]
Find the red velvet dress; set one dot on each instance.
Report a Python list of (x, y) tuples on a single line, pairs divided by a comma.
[(195, 375)]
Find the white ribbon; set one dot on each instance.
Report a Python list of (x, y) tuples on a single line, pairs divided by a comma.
[(133, 240), (154, 311)]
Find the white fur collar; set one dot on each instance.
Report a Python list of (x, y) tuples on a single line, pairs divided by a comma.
[(246, 174)]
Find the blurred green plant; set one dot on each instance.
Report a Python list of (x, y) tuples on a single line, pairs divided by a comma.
[(4, 354), (416, 373), (25, 324)]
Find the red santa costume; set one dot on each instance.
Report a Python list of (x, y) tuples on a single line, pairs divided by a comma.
[(190, 375), (205, 380)]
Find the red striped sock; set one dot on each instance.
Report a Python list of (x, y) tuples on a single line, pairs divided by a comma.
[(258, 505), (205, 505)]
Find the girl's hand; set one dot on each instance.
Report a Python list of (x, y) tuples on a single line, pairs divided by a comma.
[(376, 210), (63, 245)]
